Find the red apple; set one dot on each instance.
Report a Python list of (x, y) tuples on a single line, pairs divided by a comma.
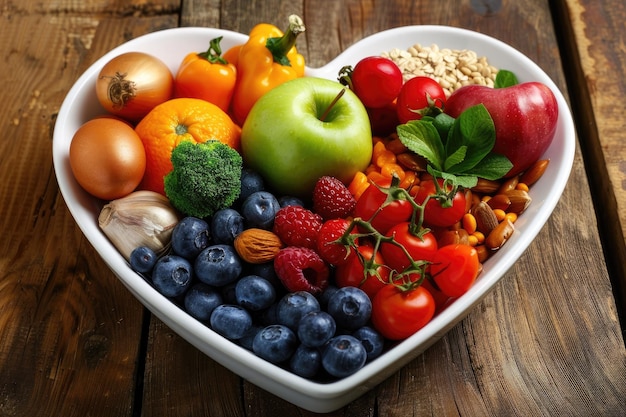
[(524, 115)]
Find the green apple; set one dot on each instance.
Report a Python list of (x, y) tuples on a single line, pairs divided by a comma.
[(286, 141)]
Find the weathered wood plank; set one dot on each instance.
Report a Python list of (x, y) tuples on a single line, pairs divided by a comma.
[(594, 41), (92, 8), (69, 329), (180, 381)]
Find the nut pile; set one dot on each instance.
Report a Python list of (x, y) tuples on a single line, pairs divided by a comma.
[(452, 68)]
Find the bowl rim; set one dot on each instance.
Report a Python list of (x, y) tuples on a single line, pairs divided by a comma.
[(308, 393)]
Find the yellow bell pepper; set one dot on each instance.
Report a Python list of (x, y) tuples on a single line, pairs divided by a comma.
[(268, 59)]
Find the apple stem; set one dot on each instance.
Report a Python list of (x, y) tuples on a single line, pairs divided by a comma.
[(332, 104)]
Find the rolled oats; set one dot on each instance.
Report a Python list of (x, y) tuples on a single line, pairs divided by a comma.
[(452, 68)]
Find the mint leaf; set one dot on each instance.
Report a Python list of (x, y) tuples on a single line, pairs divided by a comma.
[(443, 123), (492, 167), (465, 155), (465, 181), (456, 158), (475, 130), (422, 138), (505, 79)]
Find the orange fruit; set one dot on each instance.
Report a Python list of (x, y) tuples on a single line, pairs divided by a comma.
[(176, 120)]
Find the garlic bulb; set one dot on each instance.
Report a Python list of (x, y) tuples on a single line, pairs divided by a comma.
[(142, 218)]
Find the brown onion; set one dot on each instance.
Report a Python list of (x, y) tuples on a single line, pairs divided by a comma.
[(133, 83)]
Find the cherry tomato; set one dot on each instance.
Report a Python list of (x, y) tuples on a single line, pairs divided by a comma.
[(352, 272), (398, 313), (434, 213), (394, 212), (419, 248), (376, 81), (416, 94), (107, 158), (455, 268), (441, 300)]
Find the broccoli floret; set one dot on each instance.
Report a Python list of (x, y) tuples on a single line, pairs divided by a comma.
[(206, 177)]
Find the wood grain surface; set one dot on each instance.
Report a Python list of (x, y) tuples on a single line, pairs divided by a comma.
[(547, 341), (593, 41)]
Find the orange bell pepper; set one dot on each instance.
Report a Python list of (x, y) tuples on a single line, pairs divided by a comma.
[(232, 55), (208, 76), (268, 59)]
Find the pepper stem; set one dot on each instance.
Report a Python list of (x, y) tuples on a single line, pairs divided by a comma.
[(281, 45), (214, 53)]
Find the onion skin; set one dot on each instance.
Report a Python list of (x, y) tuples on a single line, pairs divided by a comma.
[(132, 84), (107, 158)]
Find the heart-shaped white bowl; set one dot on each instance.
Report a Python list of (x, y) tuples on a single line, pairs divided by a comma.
[(171, 46)]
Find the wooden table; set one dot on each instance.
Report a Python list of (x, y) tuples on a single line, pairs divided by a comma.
[(547, 341)]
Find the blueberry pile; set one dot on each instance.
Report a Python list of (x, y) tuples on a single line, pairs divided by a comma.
[(323, 338)]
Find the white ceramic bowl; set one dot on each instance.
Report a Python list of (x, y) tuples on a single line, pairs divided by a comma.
[(171, 46)]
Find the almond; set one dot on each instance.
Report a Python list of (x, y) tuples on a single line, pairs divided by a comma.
[(486, 219), (499, 201), (500, 234), (484, 186), (520, 200), (257, 246), (453, 237), (508, 185), (412, 161), (483, 253), (396, 146), (535, 172)]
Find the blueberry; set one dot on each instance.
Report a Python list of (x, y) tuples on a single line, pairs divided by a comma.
[(228, 293), (266, 270), (350, 307), (200, 301), (190, 236), (218, 265), (316, 328), (259, 209), (288, 200), (231, 321), (306, 361), (247, 339), (275, 343), (372, 341), (251, 182), (172, 275), (325, 296), (226, 224), (343, 356), (254, 293), (293, 306), (268, 316), (142, 259)]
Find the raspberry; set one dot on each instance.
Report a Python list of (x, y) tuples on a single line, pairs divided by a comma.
[(332, 199), (301, 269), (297, 226)]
